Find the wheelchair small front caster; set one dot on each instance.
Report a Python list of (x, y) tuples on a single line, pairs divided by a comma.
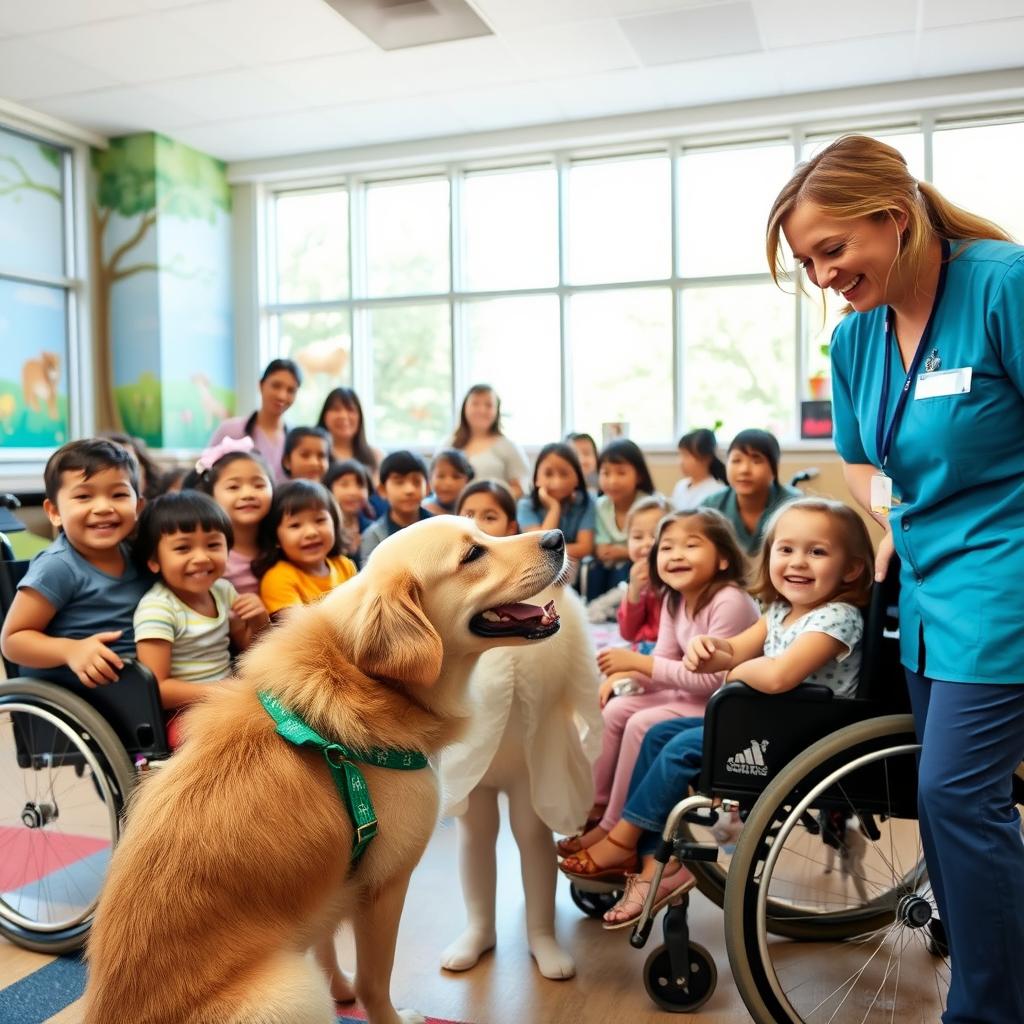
[(679, 995), (594, 904)]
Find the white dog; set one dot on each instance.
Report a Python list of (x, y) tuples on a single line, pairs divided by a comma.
[(535, 732)]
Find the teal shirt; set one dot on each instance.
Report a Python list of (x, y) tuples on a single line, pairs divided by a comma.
[(957, 465), (726, 503)]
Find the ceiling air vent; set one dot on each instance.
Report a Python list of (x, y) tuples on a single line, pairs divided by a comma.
[(398, 24)]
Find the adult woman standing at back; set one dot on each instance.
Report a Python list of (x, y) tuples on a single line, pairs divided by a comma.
[(279, 385), (492, 455), (928, 401), (342, 417)]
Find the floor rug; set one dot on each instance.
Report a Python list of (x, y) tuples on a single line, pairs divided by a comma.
[(46, 991)]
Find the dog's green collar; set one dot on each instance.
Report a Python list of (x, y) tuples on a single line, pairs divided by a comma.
[(347, 777)]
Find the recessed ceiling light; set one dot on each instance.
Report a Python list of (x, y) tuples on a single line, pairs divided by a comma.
[(397, 24)]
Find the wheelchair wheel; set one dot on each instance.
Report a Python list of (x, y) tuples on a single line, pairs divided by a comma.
[(672, 994), (836, 832), (64, 779), (594, 904)]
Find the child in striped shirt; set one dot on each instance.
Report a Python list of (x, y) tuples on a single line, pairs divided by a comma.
[(187, 621)]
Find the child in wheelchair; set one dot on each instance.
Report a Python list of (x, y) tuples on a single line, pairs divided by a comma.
[(188, 620), (71, 620), (698, 569), (813, 574)]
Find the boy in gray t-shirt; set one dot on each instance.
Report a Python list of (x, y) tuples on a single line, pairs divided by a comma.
[(72, 616)]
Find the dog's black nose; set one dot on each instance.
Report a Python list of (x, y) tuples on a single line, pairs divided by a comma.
[(553, 540)]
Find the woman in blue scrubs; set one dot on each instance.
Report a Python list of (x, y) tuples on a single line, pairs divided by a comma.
[(928, 403)]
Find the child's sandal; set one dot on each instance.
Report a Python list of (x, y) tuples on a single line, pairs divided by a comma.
[(583, 866)]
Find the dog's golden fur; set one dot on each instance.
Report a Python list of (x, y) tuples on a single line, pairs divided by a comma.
[(235, 859)]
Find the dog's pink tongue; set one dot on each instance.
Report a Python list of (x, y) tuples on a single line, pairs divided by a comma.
[(527, 612)]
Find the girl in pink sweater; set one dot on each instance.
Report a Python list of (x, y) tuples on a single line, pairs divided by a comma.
[(696, 564)]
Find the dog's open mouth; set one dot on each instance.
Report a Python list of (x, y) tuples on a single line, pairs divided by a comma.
[(530, 621)]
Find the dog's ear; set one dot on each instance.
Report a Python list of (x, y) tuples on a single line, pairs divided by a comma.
[(395, 638)]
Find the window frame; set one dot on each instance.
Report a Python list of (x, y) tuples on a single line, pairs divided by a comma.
[(21, 468), (791, 134)]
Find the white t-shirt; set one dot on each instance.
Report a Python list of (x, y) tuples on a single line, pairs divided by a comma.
[(200, 644), (837, 619), (687, 496)]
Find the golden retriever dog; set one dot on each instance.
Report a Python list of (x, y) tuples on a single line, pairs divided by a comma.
[(535, 733), (236, 856)]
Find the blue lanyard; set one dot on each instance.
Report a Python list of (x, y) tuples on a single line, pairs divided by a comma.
[(883, 437)]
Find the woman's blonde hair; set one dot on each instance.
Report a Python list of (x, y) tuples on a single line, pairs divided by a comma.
[(858, 176), (853, 536), (713, 525)]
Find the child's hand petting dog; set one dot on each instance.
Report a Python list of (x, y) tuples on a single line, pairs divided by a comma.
[(616, 660)]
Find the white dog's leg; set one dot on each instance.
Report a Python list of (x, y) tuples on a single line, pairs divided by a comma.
[(376, 928), (478, 833), (540, 871)]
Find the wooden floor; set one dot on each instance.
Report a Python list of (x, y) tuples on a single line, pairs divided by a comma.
[(505, 988)]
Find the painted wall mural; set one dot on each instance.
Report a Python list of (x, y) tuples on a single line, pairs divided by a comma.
[(33, 316), (162, 297)]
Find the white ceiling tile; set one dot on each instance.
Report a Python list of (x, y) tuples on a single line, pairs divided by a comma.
[(990, 44), (848, 63), (349, 78), (117, 111), (716, 80), (29, 70), (798, 22), (517, 15), (268, 31), (459, 64), (674, 36), (245, 138), (228, 94), (577, 49), (22, 17), (615, 92), (939, 13), (506, 106), (385, 120), (140, 49), (624, 8)]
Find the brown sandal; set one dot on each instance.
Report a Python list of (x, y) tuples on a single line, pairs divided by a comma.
[(582, 865)]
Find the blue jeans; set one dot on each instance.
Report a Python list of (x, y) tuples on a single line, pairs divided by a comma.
[(972, 740), (668, 762), (601, 578)]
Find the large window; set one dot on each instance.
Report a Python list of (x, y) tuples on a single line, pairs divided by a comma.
[(36, 294), (587, 288)]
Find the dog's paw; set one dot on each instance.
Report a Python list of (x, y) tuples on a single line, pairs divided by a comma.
[(552, 961), (411, 1017), (467, 949)]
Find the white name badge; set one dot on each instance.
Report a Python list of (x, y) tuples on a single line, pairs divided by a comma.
[(881, 494), (939, 383)]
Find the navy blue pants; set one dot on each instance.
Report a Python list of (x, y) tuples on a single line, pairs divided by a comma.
[(972, 740), (668, 762)]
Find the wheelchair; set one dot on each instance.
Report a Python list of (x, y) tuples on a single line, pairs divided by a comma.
[(830, 852), (69, 759)]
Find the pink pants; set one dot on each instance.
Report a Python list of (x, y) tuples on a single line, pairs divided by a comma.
[(626, 721)]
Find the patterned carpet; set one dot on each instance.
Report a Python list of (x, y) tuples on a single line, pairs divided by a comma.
[(45, 992)]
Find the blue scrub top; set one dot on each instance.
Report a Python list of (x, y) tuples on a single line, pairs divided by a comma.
[(957, 465)]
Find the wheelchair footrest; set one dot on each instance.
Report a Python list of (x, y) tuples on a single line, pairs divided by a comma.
[(696, 851)]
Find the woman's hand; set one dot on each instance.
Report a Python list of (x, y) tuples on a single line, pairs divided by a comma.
[(614, 660), (883, 557)]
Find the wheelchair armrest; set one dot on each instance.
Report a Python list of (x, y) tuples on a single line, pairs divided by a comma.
[(805, 692)]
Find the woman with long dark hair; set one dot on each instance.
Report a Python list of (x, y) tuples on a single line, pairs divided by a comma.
[(279, 385), (342, 417), (478, 436)]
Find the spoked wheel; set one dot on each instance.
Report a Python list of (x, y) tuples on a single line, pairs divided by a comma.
[(592, 903), (836, 833), (680, 995), (64, 777)]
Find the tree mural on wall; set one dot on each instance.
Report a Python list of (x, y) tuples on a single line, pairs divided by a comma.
[(14, 179), (140, 178)]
